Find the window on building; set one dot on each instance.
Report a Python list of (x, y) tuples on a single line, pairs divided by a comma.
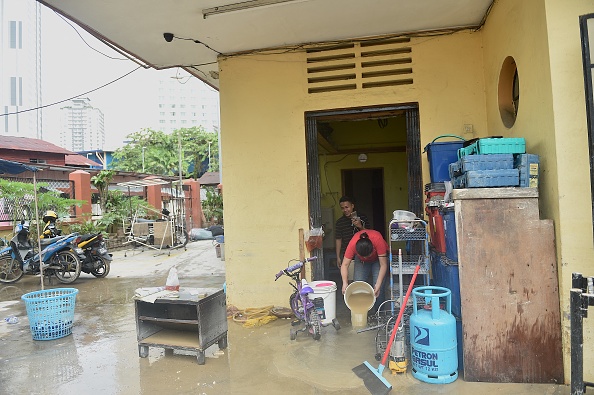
[(15, 32)]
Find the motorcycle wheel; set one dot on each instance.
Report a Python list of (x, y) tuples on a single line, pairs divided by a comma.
[(10, 270), (103, 266), (181, 236), (69, 266), (314, 321)]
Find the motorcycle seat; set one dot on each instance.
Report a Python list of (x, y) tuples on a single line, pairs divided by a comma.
[(46, 242)]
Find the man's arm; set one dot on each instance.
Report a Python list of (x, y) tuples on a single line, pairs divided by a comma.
[(338, 257), (383, 260), (344, 273)]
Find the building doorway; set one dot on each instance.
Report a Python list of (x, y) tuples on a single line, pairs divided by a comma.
[(366, 188), (321, 136)]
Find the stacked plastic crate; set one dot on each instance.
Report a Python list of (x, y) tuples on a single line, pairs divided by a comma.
[(495, 162)]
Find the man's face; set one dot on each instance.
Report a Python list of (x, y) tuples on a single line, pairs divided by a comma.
[(347, 208)]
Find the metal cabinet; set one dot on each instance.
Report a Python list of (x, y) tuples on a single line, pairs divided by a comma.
[(193, 322)]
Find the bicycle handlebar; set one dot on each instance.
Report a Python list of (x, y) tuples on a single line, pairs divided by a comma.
[(296, 266)]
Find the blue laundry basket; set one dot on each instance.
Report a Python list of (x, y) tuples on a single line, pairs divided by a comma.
[(50, 312)]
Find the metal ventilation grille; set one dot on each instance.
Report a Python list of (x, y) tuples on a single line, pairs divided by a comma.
[(363, 65)]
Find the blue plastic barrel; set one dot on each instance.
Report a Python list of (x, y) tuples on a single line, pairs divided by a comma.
[(433, 341), (449, 229)]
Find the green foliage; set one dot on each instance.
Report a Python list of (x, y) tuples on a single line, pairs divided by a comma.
[(19, 196), (118, 207), (212, 206), (161, 152), (85, 227), (101, 181)]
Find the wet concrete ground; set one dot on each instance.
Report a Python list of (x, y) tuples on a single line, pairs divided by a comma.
[(101, 355)]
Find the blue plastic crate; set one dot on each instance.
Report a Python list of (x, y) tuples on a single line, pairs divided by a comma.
[(50, 312), (486, 162), (510, 145), (529, 167), (481, 162), (488, 178), (455, 170)]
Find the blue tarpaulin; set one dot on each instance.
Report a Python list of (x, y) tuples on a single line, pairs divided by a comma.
[(10, 167)]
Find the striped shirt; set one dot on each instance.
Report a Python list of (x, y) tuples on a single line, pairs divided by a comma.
[(345, 230)]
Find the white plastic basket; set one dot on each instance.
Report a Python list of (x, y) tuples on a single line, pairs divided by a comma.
[(403, 218)]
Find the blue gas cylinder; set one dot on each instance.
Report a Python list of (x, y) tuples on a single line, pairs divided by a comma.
[(433, 341)]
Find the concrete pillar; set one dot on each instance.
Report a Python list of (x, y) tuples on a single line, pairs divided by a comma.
[(153, 196), (193, 204), (82, 191)]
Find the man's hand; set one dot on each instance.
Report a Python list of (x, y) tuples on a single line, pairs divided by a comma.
[(357, 222)]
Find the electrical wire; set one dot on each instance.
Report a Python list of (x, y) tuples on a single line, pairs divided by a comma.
[(198, 42), (70, 98), (84, 41), (326, 175)]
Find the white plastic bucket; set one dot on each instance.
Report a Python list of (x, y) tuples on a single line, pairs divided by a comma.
[(359, 298), (327, 291)]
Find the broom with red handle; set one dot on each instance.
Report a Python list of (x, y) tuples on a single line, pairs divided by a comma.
[(373, 378)]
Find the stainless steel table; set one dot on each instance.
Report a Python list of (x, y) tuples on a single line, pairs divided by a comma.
[(193, 322)]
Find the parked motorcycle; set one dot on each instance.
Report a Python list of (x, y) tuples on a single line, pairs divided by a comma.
[(94, 257), (60, 257), (97, 260)]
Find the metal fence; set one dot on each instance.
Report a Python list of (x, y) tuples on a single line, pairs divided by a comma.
[(11, 209)]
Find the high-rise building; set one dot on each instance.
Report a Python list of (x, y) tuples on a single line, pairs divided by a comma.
[(20, 74), (184, 102), (82, 128)]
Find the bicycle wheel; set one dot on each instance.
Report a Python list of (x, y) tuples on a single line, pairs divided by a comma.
[(10, 270), (297, 305), (69, 266), (314, 321)]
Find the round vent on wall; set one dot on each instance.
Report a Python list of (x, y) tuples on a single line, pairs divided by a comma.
[(509, 92)]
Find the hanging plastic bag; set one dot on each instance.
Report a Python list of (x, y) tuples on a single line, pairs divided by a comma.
[(314, 238), (172, 283)]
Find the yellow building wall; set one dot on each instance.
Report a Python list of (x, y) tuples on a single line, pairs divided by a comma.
[(574, 226), (543, 38), (263, 100)]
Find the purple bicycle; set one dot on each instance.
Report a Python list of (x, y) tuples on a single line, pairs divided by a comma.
[(307, 311)]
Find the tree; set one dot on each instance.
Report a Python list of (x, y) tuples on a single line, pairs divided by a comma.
[(101, 181), (212, 206), (156, 152)]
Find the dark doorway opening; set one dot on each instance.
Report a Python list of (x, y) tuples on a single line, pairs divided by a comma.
[(366, 187), (315, 138)]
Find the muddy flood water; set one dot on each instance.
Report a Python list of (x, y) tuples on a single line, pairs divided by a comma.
[(101, 356)]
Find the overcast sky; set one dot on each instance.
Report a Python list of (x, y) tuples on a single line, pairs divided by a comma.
[(70, 68)]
